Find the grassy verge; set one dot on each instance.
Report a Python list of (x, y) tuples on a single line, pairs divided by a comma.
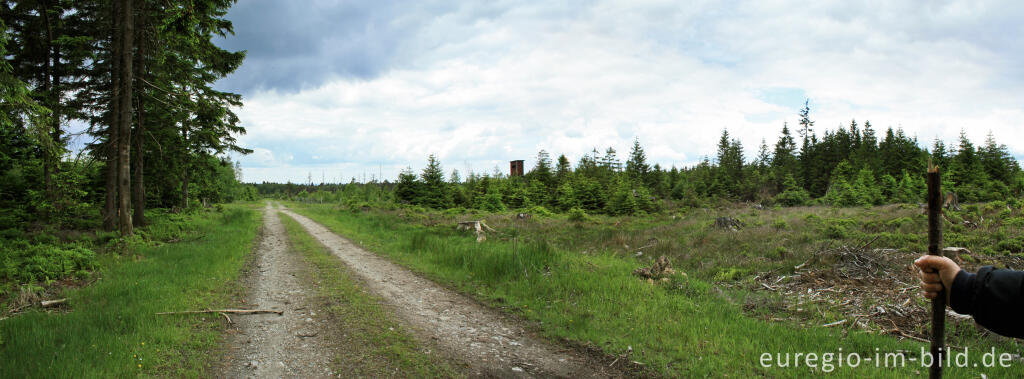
[(110, 328), (691, 326), (374, 344)]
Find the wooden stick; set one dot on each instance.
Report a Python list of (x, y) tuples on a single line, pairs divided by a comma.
[(934, 240), (226, 317), (237, 311), (50, 303), (840, 322)]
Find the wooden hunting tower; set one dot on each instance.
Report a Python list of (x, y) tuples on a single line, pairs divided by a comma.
[(515, 168)]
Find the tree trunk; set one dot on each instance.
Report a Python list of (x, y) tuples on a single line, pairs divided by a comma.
[(48, 88), (138, 189), (110, 207), (125, 118), (184, 187), (185, 169)]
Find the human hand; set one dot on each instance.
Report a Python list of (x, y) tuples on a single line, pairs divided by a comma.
[(937, 273)]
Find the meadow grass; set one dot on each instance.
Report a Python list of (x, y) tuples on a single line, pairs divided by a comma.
[(573, 281), (371, 343), (111, 329)]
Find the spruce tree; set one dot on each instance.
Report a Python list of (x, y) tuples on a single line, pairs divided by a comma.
[(636, 167), (784, 162)]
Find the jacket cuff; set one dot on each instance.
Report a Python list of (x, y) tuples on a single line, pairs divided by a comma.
[(961, 296)]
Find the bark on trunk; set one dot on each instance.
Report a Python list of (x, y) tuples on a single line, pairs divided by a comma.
[(48, 161), (184, 184), (110, 207), (185, 167), (125, 117), (51, 87), (138, 189)]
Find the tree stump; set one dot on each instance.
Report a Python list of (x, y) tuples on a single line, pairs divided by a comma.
[(477, 226), (662, 267), (728, 223)]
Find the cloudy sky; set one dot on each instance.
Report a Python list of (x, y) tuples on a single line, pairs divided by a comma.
[(342, 89)]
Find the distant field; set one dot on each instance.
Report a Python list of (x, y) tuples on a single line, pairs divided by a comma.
[(766, 288)]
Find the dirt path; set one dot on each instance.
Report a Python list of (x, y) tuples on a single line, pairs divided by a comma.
[(269, 345), (491, 343)]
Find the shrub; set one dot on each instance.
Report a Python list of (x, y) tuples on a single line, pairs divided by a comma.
[(835, 231), (898, 222), (780, 224), (577, 214), (1010, 246), (538, 210), (491, 202), (729, 274)]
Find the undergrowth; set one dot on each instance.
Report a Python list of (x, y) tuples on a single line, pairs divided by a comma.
[(110, 328)]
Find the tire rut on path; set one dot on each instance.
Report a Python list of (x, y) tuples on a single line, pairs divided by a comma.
[(290, 345), (491, 343)]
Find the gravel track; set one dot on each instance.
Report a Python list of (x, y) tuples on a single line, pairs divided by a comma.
[(491, 343), (291, 345)]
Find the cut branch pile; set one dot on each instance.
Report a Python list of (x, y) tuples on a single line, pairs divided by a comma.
[(478, 226), (875, 290)]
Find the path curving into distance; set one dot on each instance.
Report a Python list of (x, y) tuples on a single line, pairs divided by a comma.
[(491, 343)]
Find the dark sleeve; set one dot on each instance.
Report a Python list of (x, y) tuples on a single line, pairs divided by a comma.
[(995, 298)]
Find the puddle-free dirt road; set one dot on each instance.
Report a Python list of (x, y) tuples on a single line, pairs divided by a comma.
[(491, 343), (290, 345)]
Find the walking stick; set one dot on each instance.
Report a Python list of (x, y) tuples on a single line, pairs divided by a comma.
[(934, 239)]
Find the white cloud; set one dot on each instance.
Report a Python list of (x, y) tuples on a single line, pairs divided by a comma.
[(481, 91)]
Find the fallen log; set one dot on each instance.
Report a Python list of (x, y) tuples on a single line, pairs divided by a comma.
[(235, 311)]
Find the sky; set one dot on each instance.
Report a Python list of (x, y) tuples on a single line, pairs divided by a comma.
[(336, 90)]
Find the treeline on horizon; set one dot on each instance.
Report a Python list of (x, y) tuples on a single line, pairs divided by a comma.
[(140, 74), (848, 166)]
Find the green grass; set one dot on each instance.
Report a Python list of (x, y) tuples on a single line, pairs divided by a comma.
[(574, 282), (371, 343), (111, 329)]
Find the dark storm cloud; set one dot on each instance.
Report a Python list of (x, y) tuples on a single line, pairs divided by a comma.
[(295, 45)]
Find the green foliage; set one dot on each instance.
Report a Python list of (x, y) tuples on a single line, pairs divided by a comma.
[(565, 197), (25, 262), (491, 202), (780, 224), (729, 274), (577, 214), (622, 200), (843, 168), (539, 211), (111, 327), (792, 195)]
